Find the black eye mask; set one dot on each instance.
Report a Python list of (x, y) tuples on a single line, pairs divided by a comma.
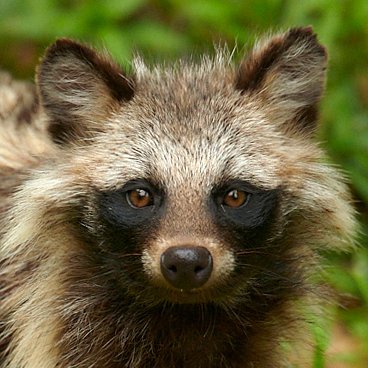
[(253, 217), (123, 224)]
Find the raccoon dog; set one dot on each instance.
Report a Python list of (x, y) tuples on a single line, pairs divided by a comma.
[(172, 218)]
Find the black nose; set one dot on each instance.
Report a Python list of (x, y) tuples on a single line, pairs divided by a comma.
[(186, 267)]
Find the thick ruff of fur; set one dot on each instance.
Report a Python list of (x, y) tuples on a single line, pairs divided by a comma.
[(81, 280)]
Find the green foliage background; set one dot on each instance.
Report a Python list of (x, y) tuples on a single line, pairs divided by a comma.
[(166, 29)]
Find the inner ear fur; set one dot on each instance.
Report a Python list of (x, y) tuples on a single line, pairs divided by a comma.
[(287, 73), (79, 88)]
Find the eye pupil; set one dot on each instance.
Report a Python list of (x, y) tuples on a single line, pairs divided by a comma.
[(235, 198), (139, 198)]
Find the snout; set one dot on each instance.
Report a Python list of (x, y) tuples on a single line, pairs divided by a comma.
[(186, 267), (190, 269)]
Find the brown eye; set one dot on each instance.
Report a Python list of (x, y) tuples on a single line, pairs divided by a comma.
[(235, 198), (139, 198)]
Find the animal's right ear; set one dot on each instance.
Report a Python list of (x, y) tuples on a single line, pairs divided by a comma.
[(79, 89)]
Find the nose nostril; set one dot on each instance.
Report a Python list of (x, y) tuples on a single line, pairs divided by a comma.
[(186, 267), (172, 268)]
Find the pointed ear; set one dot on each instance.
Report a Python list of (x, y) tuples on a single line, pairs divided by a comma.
[(79, 89), (287, 72)]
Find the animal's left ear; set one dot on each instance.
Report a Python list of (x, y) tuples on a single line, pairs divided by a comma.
[(287, 72)]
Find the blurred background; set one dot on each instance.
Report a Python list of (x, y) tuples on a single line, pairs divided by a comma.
[(167, 29)]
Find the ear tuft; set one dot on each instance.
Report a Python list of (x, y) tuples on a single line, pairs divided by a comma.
[(287, 71), (79, 88)]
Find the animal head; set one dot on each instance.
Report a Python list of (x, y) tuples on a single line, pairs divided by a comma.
[(193, 183)]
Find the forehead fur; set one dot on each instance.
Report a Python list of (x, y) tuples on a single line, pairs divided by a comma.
[(188, 125)]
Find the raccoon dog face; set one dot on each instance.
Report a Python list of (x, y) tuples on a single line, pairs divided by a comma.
[(174, 218), (193, 184)]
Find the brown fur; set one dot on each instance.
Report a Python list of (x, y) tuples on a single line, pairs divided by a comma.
[(80, 282)]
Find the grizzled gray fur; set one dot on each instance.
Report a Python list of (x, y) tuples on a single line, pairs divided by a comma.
[(173, 217)]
